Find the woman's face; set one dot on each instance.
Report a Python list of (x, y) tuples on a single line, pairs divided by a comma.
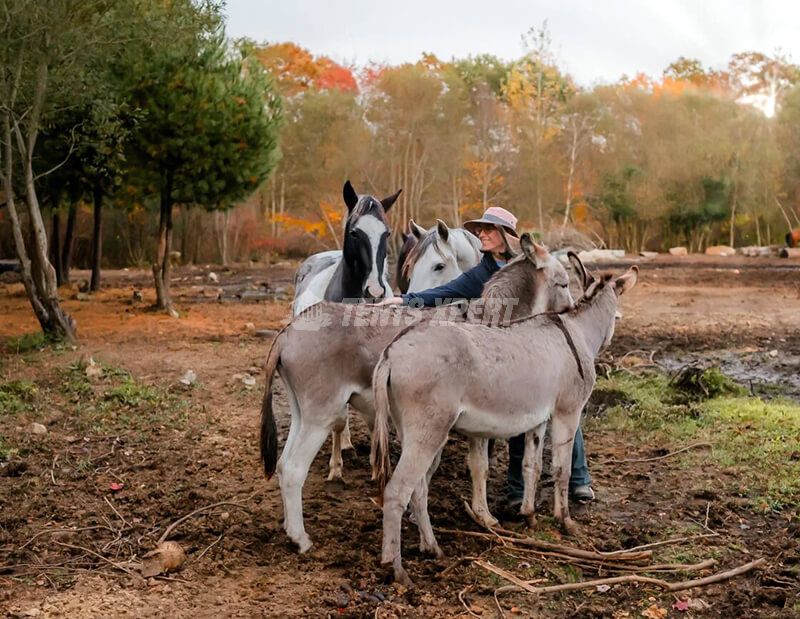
[(491, 240)]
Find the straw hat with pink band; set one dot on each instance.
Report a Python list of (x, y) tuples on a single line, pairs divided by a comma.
[(505, 222)]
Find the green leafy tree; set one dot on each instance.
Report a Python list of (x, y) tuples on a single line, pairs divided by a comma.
[(47, 51), (207, 132)]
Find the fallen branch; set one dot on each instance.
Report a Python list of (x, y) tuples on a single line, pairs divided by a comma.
[(464, 604), (667, 542), (499, 571), (49, 531), (715, 578), (615, 566), (209, 547), (628, 556), (669, 455), (667, 586), (101, 557), (619, 555), (452, 566), (182, 519)]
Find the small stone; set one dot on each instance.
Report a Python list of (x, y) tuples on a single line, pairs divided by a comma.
[(189, 378), (773, 353), (213, 277), (678, 251), (249, 326), (248, 381), (32, 612), (37, 428), (93, 369), (82, 296)]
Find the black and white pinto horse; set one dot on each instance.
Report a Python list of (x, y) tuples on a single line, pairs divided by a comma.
[(359, 271)]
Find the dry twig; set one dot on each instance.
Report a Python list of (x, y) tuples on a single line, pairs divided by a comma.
[(677, 586), (49, 531), (669, 455), (182, 519), (526, 585), (464, 604), (101, 557)]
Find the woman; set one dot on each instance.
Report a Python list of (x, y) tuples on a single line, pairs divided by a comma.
[(469, 285)]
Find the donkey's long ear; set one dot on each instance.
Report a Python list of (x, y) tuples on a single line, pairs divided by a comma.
[(584, 277), (350, 196), (417, 230), (387, 202), (442, 229), (627, 280), (533, 251)]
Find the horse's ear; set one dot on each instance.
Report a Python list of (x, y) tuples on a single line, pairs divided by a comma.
[(627, 280), (584, 277), (533, 251), (350, 196), (387, 202), (417, 230), (442, 229)]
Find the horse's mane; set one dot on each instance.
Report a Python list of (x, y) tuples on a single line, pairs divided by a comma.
[(431, 238)]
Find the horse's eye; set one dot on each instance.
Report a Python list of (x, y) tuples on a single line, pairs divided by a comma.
[(439, 267)]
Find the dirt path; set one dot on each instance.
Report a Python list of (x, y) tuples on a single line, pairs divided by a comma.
[(683, 310)]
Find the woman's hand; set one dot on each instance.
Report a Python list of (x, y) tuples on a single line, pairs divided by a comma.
[(391, 301)]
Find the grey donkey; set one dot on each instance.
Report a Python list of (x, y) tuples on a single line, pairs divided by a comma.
[(486, 383), (326, 357)]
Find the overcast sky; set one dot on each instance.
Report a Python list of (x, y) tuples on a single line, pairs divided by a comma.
[(593, 40)]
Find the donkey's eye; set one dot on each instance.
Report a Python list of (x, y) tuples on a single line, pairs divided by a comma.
[(439, 267)]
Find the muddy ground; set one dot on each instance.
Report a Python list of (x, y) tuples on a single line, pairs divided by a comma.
[(82, 501)]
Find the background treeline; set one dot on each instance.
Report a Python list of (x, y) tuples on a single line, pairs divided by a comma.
[(694, 157)]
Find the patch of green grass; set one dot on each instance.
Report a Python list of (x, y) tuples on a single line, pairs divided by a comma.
[(131, 394), (6, 450), (755, 440), (113, 401), (28, 342), (14, 396)]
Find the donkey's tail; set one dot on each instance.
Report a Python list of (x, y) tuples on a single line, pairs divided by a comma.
[(379, 454), (269, 431)]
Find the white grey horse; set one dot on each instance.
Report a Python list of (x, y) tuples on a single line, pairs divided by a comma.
[(486, 382), (440, 255), (325, 357), (359, 270)]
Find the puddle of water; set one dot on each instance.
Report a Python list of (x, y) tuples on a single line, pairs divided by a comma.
[(758, 370)]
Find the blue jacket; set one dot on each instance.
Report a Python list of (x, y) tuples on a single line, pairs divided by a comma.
[(468, 285)]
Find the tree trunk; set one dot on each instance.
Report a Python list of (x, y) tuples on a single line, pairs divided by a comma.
[(55, 247), (161, 267), (732, 237), (97, 237), (226, 218), (39, 276), (572, 156), (69, 236)]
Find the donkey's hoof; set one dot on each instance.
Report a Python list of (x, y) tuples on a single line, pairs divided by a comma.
[(571, 527), (304, 544), (401, 577), (487, 520), (432, 550)]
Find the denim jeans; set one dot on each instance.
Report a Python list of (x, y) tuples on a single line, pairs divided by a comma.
[(516, 451)]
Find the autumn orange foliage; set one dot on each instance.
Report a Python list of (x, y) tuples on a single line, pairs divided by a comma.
[(295, 69)]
